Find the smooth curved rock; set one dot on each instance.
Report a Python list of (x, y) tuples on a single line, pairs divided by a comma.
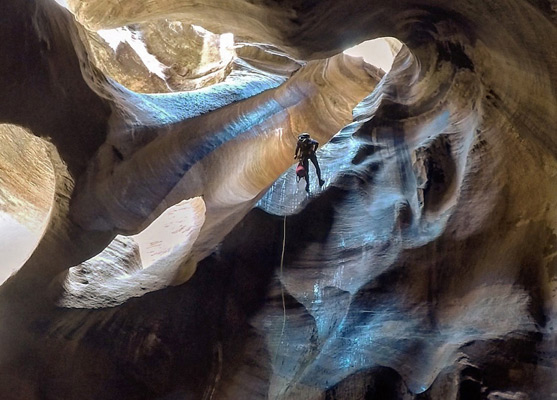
[(424, 269)]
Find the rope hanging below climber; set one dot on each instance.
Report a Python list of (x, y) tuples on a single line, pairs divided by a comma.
[(305, 151)]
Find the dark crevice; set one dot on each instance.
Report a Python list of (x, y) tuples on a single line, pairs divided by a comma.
[(455, 54)]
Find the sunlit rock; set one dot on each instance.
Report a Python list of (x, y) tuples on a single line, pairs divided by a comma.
[(26, 195), (162, 56), (131, 266), (424, 268)]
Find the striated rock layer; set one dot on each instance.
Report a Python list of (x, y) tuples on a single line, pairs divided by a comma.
[(423, 269)]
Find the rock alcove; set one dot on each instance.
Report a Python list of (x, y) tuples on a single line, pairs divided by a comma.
[(424, 269)]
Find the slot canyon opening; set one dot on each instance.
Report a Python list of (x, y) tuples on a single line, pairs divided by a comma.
[(162, 57), (378, 52), (287, 195), (134, 265), (27, 185), (424, 268), (172, 57), (131, 266)]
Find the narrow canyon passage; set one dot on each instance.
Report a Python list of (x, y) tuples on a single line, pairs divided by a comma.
[(170, 252)]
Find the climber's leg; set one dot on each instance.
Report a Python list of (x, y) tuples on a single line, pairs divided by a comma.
[(313, 159), (305, 163)]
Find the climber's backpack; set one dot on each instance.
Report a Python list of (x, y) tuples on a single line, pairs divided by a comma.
[(300, 171)]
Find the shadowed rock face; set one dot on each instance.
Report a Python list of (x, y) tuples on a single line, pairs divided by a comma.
[(424, 268)]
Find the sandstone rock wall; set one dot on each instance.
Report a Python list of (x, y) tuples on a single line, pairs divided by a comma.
[(424, 269)]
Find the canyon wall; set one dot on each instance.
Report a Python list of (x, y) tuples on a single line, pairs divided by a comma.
[(424, 268)]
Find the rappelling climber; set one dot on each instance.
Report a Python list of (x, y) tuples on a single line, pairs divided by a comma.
[(305, 150)]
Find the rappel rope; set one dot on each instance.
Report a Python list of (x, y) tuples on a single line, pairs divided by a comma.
[(282, 289), (281, 275)]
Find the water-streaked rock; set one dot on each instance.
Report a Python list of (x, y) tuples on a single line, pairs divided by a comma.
[(423, 269)]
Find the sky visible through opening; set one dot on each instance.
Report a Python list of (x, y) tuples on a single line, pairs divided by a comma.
[(378, 52), (154, 241)]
